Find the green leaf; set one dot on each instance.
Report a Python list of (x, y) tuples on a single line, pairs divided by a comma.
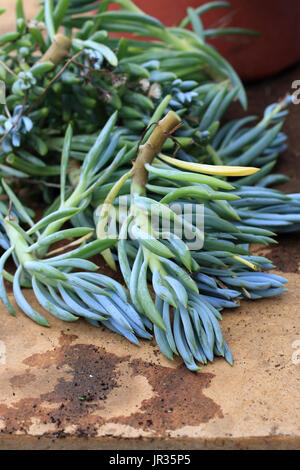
[(3, 295), (180, 274), (58, 236), (77, 263), (22, 302), (49, 19), (17, 203), (258, 147), (203, 8), (156, 247), (197, 193), (109, 55), (44, 270), (129, 17), (86, 251), (162, 289), (20, 9), (146, 301), (58, 215), (31, 169), (45, 300), (196, 23), (39, 70), (227, 31), (100, 144), (65, 161), (188, 176), (60, 11)]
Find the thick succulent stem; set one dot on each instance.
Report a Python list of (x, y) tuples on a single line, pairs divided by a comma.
[(151, 149), (19, 242), (58, 50)]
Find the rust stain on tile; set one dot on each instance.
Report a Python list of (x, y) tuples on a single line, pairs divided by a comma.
[(19, 381), (90, 377), (92, 387), (178, 400), (128, 397), (45, 360)]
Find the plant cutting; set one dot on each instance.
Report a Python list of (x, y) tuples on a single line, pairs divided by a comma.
[(171, 92), (66, 295), (192, 330)]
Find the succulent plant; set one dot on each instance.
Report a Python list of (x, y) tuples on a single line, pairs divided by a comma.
[(92, 120)]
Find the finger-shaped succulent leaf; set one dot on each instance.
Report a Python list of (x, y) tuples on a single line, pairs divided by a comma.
[(117, 328), (162, 289), (45, 300), (161, 339), (106, 281), (179, 175), (210, 169), (181, 343), (205, 320), (23, 213), (188, 329), (38, 268), (122, 253), (78, 307), (55, 216), (181, 250), (179, 289), (145, 299), (114, 312), (198, 193), (22, 302), (3, 294), (59, 236), (86, 251), (180, 274), (78, 263)]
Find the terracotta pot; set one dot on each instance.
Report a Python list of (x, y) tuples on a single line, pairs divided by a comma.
[(277, 21)]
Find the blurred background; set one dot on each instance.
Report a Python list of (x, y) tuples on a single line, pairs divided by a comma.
[(7, 22), (277, 22)]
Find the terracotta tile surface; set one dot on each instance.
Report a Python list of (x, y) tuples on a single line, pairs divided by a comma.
[(75, 386)]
